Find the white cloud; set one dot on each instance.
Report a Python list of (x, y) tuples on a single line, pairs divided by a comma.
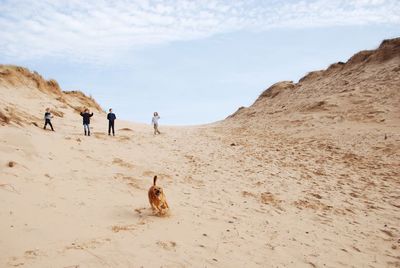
[(100, 30)]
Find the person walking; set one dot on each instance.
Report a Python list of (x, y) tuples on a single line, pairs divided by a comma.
[(47, 119), (86, 121), (111, 118), (154, 121)]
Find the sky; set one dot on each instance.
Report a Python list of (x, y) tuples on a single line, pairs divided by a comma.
[(194, 62)]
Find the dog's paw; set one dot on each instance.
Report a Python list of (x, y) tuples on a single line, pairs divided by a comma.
[(163, 213)]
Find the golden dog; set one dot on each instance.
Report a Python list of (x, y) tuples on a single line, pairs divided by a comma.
[(157, 198)]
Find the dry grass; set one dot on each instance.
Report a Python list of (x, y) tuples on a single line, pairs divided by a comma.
[(86, 101), (57, 113)]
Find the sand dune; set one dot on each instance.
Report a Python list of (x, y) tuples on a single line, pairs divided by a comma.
[(308, 176)]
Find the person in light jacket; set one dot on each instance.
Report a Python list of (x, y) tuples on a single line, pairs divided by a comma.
[(154, 121)]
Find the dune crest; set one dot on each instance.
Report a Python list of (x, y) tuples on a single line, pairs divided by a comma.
[(364, 89), (21, 87)]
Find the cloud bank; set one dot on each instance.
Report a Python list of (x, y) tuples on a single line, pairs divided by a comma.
[(100, 30)]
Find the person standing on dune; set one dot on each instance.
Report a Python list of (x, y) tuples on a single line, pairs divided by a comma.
[(86, 120), (47, 119), (111, 118), (154, 121)]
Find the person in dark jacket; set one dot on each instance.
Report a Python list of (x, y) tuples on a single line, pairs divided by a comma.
[(111, 118), (47, 119), (86, 121)]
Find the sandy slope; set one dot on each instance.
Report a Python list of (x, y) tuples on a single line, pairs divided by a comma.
[(303, 185)]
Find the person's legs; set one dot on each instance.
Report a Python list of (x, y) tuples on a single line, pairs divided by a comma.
[(47, 121), (156, 129), (51, 126), (112, 126), (109, 127), (87, 129)]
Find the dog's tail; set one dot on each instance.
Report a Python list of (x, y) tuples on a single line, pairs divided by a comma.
[(154, 180)]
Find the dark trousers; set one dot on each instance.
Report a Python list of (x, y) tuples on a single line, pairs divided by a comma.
[(111, 126), (47, 121)]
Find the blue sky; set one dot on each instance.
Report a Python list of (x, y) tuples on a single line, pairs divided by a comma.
[(192, 61)]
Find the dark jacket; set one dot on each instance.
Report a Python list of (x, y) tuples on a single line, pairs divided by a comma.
[(86, 118), (111, 116)]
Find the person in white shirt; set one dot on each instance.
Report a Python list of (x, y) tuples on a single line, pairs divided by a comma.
[(154, 121)]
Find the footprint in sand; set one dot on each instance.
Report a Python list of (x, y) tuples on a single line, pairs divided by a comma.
[(31, 254), (144, 214), (89, 244), (118, 228), (15, 262), (168, 245), (122, 163), (124, 138)]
